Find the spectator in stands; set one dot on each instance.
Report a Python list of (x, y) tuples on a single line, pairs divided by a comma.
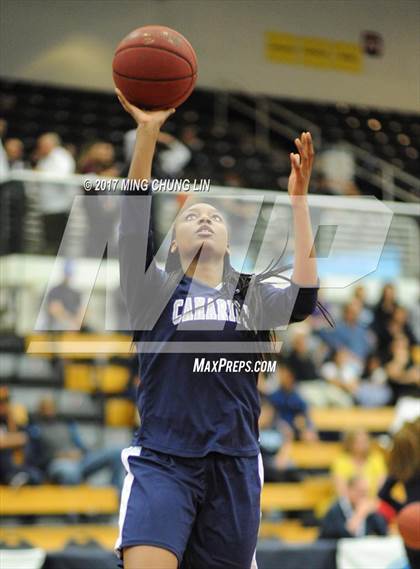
[(414, 319), (12, 197), (300, 358), (396, 327), (12, 440), (404, 467), (373, 390), (353, 515), (366, 312), (4, 164), (63, 303), (54, 200), (349, 334), (51, 156), (189, 137), (384, 309), (341, 373), (233, 179), (14, 151), (170, 161), (275, 444), (58, 450), (337, 165), (290, 405), (99, 158), (403, 374), (101, 208), (358, 459)]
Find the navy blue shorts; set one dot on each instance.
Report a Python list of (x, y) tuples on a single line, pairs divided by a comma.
[(204, 510)]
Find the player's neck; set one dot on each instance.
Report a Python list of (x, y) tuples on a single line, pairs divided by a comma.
[(209, 273)]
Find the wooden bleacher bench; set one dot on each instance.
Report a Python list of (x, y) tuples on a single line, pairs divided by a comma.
[(55, 538), (339, 420), (314, 455), (288, 530), (57, 500), (77, 345), (295, 496), (90, 378)]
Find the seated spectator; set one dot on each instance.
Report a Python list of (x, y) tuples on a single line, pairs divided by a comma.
[(275, 444), (59, 452), (353, 515), (403, 374), (13, 439), (64, 310), (300, 358), (341, 374), (290, 405), (384, 309), (396, 326), (366, 313), (14, 151), (373, 390), (358, 459), (350, 334)]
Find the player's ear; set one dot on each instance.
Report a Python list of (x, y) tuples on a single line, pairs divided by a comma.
[(173, 246), (228, 249)]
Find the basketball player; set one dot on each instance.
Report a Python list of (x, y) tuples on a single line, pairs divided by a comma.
[(191, 496)]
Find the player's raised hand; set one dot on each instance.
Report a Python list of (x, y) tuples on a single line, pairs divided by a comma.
[(301, 165), (151, 118)]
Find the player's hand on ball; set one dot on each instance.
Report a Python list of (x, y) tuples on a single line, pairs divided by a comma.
[(301, 164), (150, 118)]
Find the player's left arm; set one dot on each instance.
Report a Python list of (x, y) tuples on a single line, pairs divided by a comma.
[(305, 267)]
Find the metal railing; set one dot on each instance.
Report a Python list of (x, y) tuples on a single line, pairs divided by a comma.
[(390, 181)]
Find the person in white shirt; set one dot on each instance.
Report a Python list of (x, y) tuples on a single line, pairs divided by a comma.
[(4, 164), (171, 160), (55, 200), (52, 157)]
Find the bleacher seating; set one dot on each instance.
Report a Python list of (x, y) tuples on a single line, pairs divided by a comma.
[(57, 500), (82, 116), (377, 420)]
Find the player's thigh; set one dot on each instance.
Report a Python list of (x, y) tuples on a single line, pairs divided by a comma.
[(158, 505), (148, 557), (225, 532)]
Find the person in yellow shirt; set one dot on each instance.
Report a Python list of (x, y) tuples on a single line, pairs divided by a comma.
[(358, 459)]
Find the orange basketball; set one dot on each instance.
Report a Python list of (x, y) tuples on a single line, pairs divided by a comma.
[(155, 67)]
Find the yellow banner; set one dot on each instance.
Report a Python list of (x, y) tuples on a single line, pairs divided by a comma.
[(313, 52)]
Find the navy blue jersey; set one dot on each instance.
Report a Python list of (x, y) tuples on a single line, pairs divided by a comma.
[(185, 412)]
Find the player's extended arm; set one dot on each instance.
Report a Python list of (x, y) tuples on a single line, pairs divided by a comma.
[(149, 124), (305, 269), (135, 240)]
